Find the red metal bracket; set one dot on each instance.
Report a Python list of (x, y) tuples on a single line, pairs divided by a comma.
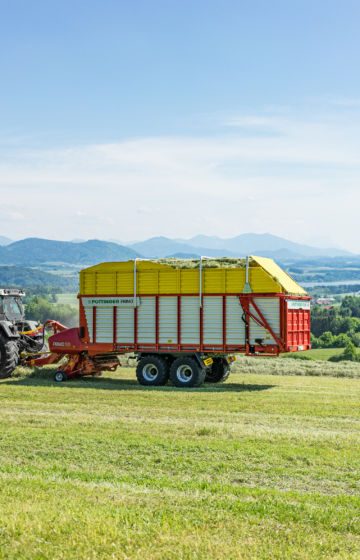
[(246, 301)]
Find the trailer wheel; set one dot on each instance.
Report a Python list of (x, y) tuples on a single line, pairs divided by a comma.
[(152, 371), (186, 372), (9, 356), (219, 371), (60, 376)]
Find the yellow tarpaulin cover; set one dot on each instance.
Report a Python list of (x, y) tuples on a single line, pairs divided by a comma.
[(288, 284), (220, 276)]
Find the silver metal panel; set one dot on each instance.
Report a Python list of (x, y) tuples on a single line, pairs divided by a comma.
[(235, 326), (212, 320), (168, 320), (124, 324), (190, 320), (146, 320), (104, 324), (89, 320), (270, 308)]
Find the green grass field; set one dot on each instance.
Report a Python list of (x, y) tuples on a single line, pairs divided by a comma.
[(263, 467), (68, 298), (316, 353)]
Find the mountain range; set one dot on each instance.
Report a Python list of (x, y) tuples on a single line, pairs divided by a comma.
[(246, 244), (35, 251)]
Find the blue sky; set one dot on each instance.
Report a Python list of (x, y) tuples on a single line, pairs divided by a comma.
[(140, 118)]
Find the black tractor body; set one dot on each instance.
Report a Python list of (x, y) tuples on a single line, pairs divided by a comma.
[(17, 334)]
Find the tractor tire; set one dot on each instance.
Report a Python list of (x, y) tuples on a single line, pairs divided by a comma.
[(186, 372), (9, 356), (152, 371), (219, 371)]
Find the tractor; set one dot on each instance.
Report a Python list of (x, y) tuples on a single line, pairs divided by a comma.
[(18, 336), (24, 342)]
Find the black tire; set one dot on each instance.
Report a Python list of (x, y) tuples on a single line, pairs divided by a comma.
[(60, 376), (152, 371), (186, 372), (9, 356), (219, 371)]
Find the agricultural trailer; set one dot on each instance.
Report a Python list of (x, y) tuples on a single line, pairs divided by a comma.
[(182, 320)]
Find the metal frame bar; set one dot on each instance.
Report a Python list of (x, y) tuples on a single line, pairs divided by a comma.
[(157, 321), (267, 325), (114, 324), (246, 301), (224, 320), (172, 294), (179, 321), (94, 324)]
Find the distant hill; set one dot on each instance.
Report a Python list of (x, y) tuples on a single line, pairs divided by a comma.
[(5, 240), (245, 244), (248, 243), (34, 251), (160, 247), (35, 280)]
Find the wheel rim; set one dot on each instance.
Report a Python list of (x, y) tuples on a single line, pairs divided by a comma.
[(59, 376), (184, 373), (150, 372)]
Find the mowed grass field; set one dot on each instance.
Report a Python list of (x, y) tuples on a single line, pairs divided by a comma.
[(69, 299), (315, 354), (262, 467)]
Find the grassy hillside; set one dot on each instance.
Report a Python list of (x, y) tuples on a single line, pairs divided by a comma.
[(263, 467), (31, 279), (69, 299)]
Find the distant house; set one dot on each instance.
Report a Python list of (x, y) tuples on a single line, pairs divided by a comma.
[(325, 301)]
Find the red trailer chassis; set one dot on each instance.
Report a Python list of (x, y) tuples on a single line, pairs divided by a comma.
[(80, 355)]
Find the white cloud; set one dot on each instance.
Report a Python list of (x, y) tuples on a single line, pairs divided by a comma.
[(253, 121), (10, 214), (302, 181)]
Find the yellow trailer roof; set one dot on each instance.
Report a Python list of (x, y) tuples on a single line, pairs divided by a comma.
[(171, 276), (288, 284)]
